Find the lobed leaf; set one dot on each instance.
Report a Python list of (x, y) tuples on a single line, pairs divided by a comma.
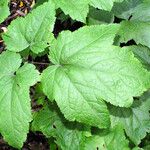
[(15, 109), (88, 69), (33, 31), (77, 9)]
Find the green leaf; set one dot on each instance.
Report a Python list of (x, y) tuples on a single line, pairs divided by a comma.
[(137, 148), (74, 103), (14, 97), (4, 10), (126, 8), (136, 120), (77, 9), (142, 53), (96, 17), (88, 69), (45, 120), (39, 2), (144, 14), (138, 26), (113, 139), (68, 135), (139, 32), (32, 31), (147, 147), (104, 4), (39, 95)]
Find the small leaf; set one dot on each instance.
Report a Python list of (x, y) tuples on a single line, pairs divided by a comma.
[(15, 109), (4, 10), (33, 31)]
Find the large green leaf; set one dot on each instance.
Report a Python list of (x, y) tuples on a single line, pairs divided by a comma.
[(74, 103), (88, 69), (77, 9), (136, 120), (4, 10), (15, 109), (33, 31), (68, 135), (113, 139), (104, 4)]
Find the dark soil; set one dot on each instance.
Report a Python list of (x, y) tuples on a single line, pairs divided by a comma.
[(35, 141)]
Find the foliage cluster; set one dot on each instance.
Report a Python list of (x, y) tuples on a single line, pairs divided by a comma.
[(95, 90)]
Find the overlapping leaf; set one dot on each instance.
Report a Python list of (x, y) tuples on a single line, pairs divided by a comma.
[(68, 135), (139, 32), (138, 26), (88, 69), (77, 9), (96, 17), (109, 139), (33, 31), (76, 136), (142, 53), (126, 8), (136, 120), (144, 9), (15, 109), (104, 4)]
